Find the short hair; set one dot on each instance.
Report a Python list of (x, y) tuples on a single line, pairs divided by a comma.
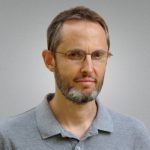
[(54, 36)]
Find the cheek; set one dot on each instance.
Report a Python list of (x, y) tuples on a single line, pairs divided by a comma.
[(100, 72), (67, 71)]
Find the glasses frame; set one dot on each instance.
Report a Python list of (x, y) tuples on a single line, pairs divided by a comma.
[(108, 54)]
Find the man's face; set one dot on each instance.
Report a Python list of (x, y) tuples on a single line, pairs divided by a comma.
[(80, 82)]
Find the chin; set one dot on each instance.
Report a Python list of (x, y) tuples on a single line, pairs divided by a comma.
[(81, 97)]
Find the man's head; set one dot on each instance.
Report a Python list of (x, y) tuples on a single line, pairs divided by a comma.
[(54, 35), (78, 44)]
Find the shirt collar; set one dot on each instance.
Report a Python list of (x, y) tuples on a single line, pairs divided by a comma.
[(46, 122), (49, 126), (103, 120)]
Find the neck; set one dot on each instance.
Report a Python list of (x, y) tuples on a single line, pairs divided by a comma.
[(74, 117)]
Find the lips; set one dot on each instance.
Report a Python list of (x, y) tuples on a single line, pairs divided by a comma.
[(85, 80)]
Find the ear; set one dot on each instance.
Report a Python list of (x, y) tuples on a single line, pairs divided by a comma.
[(49, 60)]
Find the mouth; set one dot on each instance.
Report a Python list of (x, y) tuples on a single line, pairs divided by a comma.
[(87, 80)]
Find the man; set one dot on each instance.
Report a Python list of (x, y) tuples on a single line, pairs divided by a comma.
[(73, 117)]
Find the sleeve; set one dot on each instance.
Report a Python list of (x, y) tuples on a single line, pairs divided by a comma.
[(5, 143), (142, 140)]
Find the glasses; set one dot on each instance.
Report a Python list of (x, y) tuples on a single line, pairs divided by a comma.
[(80, 55)]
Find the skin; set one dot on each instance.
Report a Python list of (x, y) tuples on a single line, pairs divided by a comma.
[(89, 37)]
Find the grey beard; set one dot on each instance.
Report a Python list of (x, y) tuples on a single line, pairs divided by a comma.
[(75, 95), (78, 97)]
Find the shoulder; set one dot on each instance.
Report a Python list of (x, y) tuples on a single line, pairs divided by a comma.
[(18, 126), (120, 121), (18, 121), (126, 122), (127, 126)]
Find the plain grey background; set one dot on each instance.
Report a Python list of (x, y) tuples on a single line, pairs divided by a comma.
[(24, 80)]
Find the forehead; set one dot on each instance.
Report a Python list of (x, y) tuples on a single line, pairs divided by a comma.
[(77, 25), (82, 33)]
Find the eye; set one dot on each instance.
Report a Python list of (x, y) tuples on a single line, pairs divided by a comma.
[(75, 55), (98, 54)]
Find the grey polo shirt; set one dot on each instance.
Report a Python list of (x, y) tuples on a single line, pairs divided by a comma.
[(38, 129)]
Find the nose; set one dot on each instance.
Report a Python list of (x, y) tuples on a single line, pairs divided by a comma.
[(87, 66)]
